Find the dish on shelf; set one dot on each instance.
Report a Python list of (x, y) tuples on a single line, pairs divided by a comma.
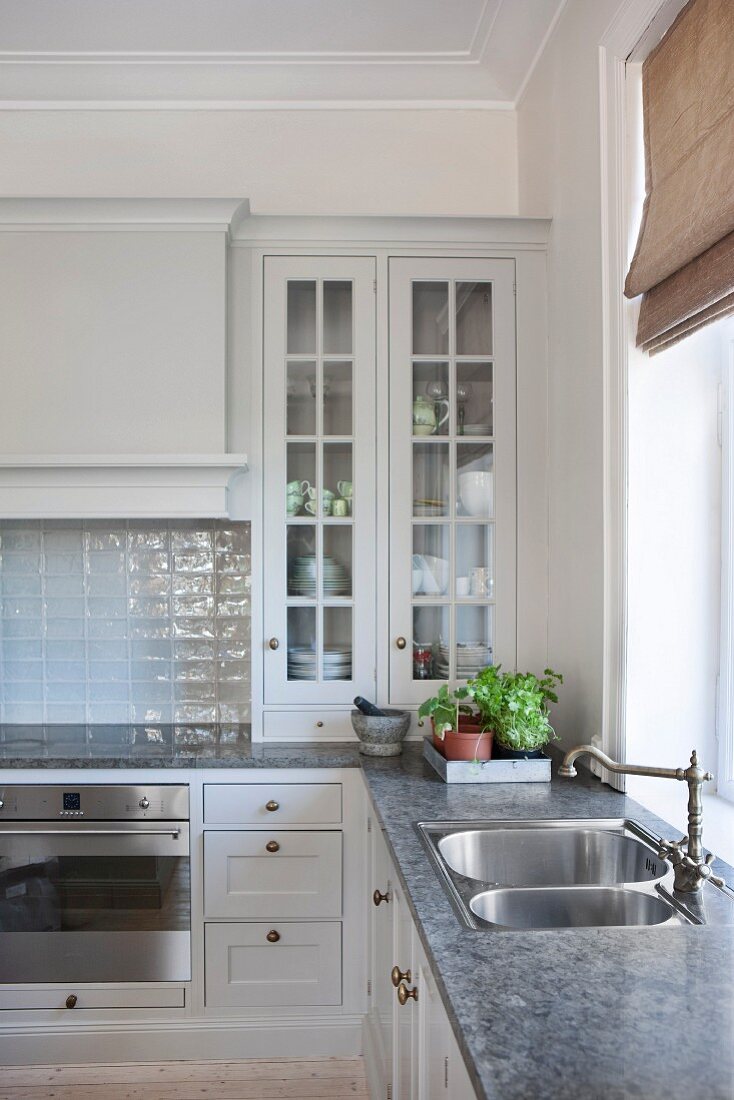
[(477, 429), (424, 508), (302, 577), (435, 575), (336, 663)]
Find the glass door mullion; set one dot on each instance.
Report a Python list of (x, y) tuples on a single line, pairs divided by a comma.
[(452, 479), (319, 510)]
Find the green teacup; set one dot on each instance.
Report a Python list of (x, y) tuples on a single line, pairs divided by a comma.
[(297, 488), (345, 489)]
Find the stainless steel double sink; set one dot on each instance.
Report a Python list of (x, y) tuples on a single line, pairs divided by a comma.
[(555, 874)]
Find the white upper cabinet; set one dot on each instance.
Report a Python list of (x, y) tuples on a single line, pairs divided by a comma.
[(452, 471), (319, 482)]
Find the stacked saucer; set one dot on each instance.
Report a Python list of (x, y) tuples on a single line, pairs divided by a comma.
[(337, 663), (471, 658), (302, 577)]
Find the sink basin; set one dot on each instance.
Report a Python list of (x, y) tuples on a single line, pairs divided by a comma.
[(550, 856), (574, 907)]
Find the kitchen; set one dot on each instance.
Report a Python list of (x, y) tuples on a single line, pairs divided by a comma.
[(319, 383)]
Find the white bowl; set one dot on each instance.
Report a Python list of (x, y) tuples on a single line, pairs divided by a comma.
[(476, 490), (417, 580), (435, 575)]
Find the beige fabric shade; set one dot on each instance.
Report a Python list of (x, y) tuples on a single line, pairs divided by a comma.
[(684, 260)]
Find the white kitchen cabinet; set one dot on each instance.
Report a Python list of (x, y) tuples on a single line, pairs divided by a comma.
[(272, 875), (319, 481), (390, 400), (382, 992), (411, 1051), (276, 964), (272, 804), (453, 471)]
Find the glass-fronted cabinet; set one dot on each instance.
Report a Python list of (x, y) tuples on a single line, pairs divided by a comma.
[(319, 479), (452, 471)]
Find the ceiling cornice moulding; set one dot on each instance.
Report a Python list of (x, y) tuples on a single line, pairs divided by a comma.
[(55, 214)]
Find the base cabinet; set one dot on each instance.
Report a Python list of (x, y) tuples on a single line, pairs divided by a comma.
[(281, 965), (412, 1053)]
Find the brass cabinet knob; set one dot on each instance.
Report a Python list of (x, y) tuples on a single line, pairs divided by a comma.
[(272, 936), (319, 724), (400, 643), (272, 846), (71, 1000), (397, 976), (404, 994), (377, 897), (272, 805), (273, 643)]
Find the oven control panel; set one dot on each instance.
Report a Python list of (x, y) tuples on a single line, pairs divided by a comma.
[(114, 802)]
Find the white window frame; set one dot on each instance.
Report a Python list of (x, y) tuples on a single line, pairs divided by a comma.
[(725, 723)]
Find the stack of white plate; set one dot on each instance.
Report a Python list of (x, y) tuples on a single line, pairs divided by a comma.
[(477, 429), (337, 663), (302, 577), (471, 658)]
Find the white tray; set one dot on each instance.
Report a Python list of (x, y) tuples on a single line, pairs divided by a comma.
[(491, 771)]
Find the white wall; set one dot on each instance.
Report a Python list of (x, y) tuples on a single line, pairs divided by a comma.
[(421, 162), (558, 175)]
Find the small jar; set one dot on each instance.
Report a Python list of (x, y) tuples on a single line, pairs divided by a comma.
[(422, 662)]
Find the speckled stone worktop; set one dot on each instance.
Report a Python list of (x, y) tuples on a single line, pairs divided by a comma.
[(579, 1014)]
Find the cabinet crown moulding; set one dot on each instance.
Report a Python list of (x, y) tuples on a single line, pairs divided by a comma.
[(153, 214)]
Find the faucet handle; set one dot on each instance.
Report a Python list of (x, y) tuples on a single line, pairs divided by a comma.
[(705, 872), (672, 849)]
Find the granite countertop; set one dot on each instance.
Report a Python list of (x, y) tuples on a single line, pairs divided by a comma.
[(578, 1014), (162, 746)]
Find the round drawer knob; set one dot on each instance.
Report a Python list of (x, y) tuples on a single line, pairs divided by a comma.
[(377, 897), (272, 846), (273, 643), (272, 805), (401, 643), (404, 994), (319, 724), (272, 936), (71, 1000), (397, 976)]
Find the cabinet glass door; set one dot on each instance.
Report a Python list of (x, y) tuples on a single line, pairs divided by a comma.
[(452, 461), (319, 432)]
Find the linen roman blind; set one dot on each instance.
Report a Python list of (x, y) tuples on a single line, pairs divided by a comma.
[(684, 261)]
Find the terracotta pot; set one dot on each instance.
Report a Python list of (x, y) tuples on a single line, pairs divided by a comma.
[(468, 744)]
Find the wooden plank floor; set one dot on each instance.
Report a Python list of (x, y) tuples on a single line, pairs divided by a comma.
[(289, 1079)]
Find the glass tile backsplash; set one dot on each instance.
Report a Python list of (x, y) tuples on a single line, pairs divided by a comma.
[(124, 621)]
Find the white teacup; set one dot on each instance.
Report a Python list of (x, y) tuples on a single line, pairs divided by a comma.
[(326, 506)]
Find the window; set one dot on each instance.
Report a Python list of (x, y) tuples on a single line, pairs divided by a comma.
[(725, 724)]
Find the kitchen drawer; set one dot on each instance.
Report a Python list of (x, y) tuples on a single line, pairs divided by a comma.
[(245, 970), (245, 880), (303, 725), (99, 997), (290, 803)]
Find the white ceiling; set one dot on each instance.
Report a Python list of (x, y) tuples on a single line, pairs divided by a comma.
[(452, 52)]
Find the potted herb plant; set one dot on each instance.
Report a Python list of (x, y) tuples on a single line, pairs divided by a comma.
[(458, 732), (517, 703)]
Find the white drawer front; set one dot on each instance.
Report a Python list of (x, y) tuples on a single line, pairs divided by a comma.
[(143, 997), (245, 970), (245, 879), (273, 803), (308, 725)]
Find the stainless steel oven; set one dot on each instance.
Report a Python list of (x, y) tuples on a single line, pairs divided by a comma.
[(94, 883)]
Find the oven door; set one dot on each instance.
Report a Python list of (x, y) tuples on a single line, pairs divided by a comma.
[(87, 901)]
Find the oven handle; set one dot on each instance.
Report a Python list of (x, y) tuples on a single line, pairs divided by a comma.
[(175, 833)]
